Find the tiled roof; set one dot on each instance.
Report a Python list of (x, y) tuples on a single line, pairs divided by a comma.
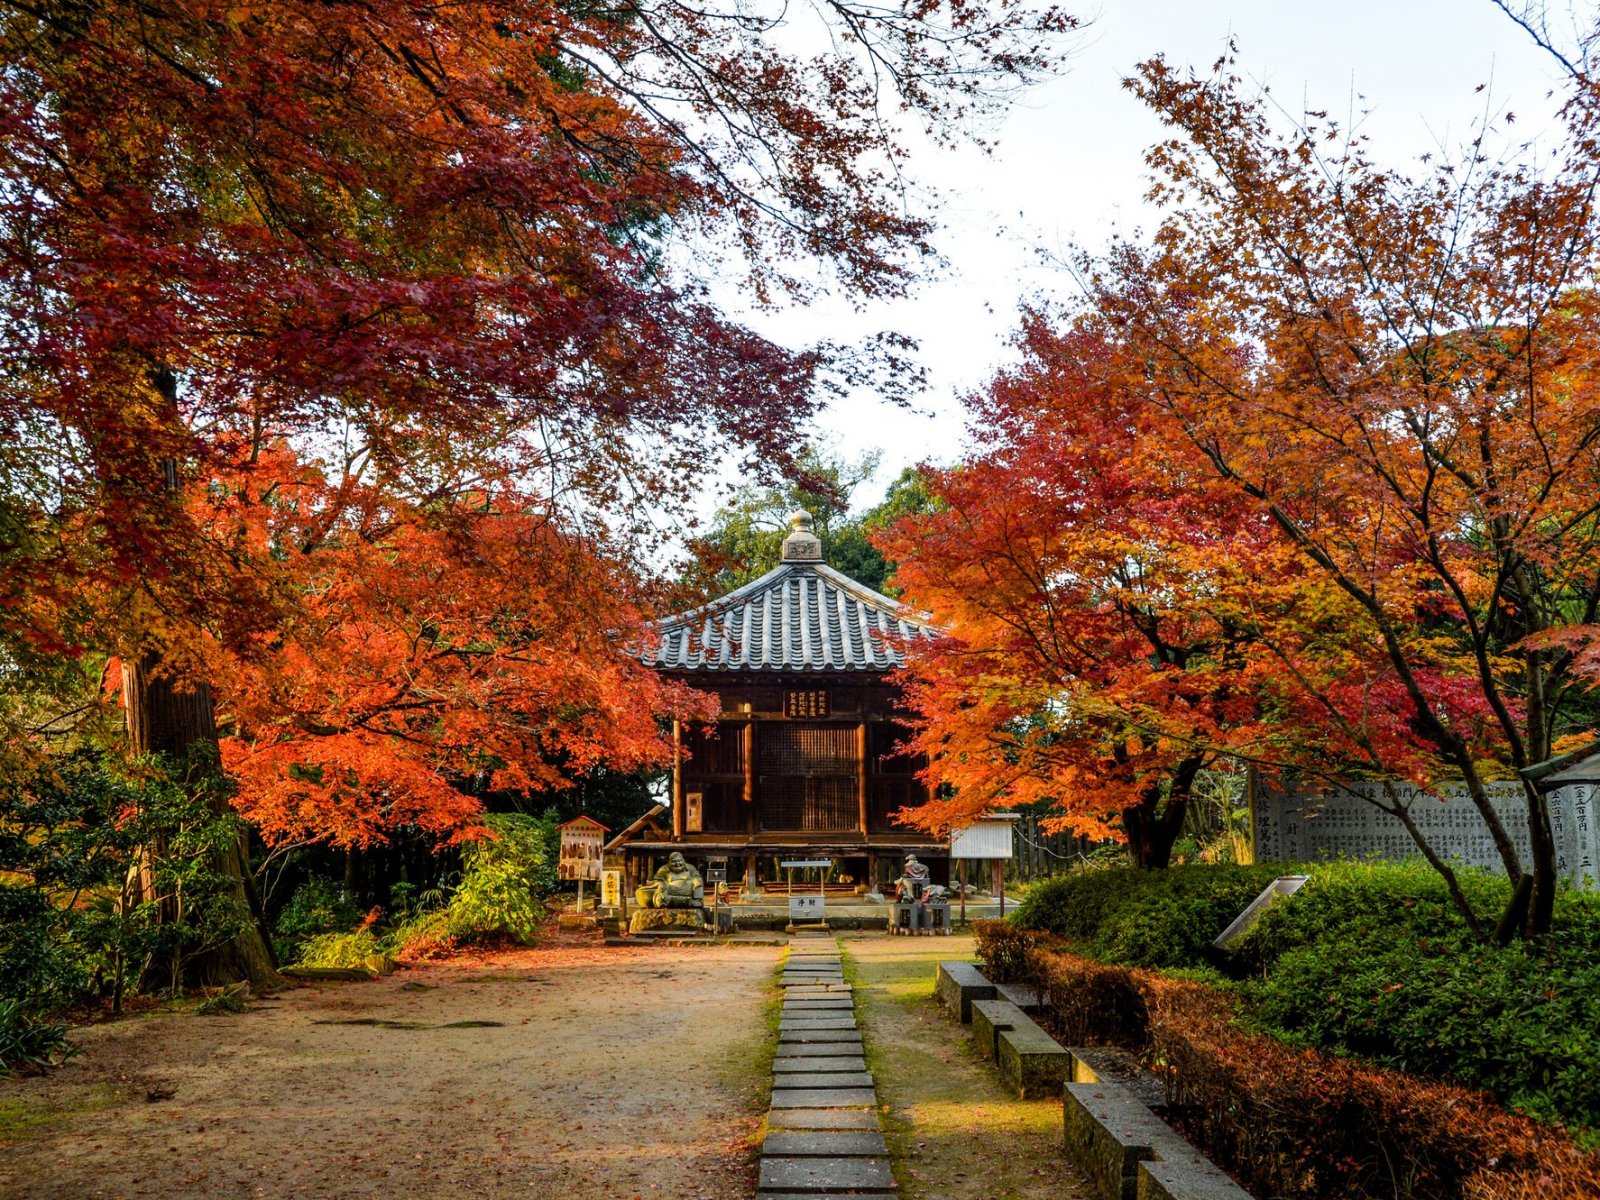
[(802, 616)]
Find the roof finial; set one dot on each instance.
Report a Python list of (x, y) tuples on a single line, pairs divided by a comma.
[(801, 545)]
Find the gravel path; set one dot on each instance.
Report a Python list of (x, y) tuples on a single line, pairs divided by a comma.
[(621, 1073)]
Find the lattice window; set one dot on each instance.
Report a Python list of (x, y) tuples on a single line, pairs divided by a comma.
[(807, 750), (810, 804)]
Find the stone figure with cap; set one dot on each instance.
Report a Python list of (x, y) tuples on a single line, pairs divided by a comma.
[(914, 880)]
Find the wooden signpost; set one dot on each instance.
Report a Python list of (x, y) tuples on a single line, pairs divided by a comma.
[(582, 841)]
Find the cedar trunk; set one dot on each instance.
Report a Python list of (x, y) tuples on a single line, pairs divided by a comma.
[(168, 717)]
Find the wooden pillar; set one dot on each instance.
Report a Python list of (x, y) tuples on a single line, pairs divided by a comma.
[(751, 883), (748, 733), (677, 780), (861, 775)]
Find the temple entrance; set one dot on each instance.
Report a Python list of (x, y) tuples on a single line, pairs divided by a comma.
[(809, 778)]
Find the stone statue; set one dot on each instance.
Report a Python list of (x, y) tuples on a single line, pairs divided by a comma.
[(676, 885), (913, 881)]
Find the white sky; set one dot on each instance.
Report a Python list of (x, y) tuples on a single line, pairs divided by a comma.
[(1068, 169)]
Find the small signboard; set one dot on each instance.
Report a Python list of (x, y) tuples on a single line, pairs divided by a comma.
[(812, 702), (582, 840), (693, 812), (806, 862), (807, 910), (987, 837), (611, 889), (717, 869)]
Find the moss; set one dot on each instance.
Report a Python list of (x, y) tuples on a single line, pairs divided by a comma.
[(22, 1117), (948, 1121)]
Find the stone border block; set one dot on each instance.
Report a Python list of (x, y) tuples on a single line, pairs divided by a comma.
[(989, 1017), (958, 984), (1031, 1061), (1186, 1180)]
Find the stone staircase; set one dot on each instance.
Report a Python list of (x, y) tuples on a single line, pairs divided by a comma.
[(824, 1138)]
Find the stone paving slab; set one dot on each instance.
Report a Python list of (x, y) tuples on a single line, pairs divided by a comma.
[(830, 1144), (825, 1079), (816, 1024), (802, 1065), (818, 992), (841, 1003), (819, 1047), (842, 1018), (822, 1118), (825, 1175), (803, 1033), (823, 1097), (824, 1144), (764, 1195)]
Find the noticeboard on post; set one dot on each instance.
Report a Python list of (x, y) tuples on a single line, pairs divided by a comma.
[(582, 841)]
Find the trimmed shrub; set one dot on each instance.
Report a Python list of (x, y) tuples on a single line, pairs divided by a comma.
[(318, 906), (1295, 1123), (1145, 918)]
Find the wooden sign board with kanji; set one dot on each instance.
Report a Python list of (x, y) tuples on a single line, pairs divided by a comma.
[(581, 841)]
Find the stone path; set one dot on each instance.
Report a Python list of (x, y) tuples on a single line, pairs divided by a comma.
[(823, 1134)]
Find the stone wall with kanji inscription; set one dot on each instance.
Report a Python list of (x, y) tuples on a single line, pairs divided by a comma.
[(1343, 824)]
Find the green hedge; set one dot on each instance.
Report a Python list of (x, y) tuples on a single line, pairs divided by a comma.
[(1371, 961), (1144, 918)]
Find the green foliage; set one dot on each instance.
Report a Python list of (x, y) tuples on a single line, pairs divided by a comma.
[(1144, 918), (318, 906), (339, 949), (1369, 960), (748, 534), (70, 832), (502, 880), (28, 1043)]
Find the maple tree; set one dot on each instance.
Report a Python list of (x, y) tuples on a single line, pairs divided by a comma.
[(1090, 659), (1118, 619), (1400, 374), (431, 251)]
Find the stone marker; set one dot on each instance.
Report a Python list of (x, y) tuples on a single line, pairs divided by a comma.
[(798, 1144), (825, 1175), (823, 1097), (822, 1118)]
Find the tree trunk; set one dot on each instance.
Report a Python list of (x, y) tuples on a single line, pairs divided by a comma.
[(168, 717), (1152, 827)]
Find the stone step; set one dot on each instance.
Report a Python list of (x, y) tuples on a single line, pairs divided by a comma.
[(819, 1047), (822, 1118), (800, 1033), (855, 1097), (820, 1144), (823, 1175), (818, 1062), (824, 1079), (810, 1024), (831, 1004)]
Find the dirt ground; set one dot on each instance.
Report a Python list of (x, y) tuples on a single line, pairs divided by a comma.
[(619, 1073), (954, 1133)]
